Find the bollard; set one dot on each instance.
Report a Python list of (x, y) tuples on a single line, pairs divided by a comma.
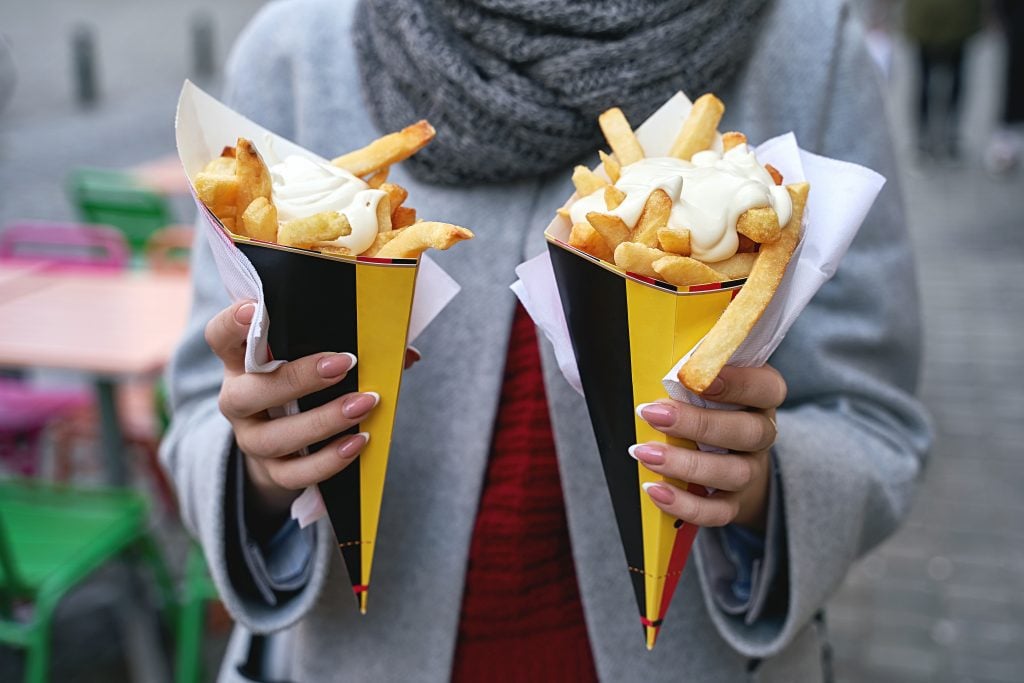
[(83, 51), (202, 44)]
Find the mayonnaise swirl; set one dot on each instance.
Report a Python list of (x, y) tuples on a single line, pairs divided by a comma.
[(708, 195), (303, 187)]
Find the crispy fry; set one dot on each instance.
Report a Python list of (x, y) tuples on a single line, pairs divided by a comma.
[(387, 150), (674, 240), (620, 136), (222, 165), (698, 131), (321, 227), (610, 227), (220, 194), (732, 139), (611, 166), (746, 309), (384, 214), (613, 196), (683, 271), (378, 178), (586, 181), (736, 266), (654, 216), (419, 237), (259, 221), (585, 238), (333, 250), (227, 151), (396, 194), (402, 217), (253, 175), (760, 224), (638, 258), (382, 239), (774, 173)]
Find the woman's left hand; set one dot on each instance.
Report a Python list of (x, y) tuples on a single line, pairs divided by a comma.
[(742, 475)]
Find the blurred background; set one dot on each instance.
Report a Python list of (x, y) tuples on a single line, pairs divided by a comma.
[(88, 316)]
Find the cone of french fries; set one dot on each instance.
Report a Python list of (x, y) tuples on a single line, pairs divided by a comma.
[(331, 252)]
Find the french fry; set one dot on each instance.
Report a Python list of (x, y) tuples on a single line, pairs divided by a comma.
[(419, 237), (745, 310), (620, 137), (325, 226), (333, 250), (736, 266), (732, 139), (613, 196), (396, 194), (638, 258), (586, 181), (384, 214), (253, 175), (698, 131), (675, 240), (563, 212), (381, 239), (220, 194), (222, 165), (387, 150), (611, 166), (402, 217), (610, 227), (378, 178), (774, 173), (259, 220), (585, 238), (683, 271), (654, 216), (760, 224)]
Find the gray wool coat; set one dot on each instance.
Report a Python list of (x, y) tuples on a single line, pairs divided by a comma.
[(851, 441)]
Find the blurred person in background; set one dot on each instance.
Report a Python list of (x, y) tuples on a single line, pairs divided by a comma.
[(1007, 144), (941, 29)]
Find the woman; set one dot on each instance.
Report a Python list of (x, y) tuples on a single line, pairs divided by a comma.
[(486, 567)]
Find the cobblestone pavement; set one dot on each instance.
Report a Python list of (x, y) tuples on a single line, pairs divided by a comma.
[(941, 601)]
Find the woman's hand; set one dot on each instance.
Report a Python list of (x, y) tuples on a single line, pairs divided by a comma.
[(275, 472), (741, 476)]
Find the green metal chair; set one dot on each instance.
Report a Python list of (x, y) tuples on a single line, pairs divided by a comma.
[(197, 590), (114, 198), (51, 539)]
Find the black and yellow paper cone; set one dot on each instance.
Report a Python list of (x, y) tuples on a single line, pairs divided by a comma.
[(325, 303), (627, 331)]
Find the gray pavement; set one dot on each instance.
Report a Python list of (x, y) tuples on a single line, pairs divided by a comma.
[(941, 601)]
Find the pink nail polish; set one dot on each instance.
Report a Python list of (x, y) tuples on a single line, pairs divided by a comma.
[(245, 313), (353, 444), (359, 404), (657, 414), (659, 492), (648, 453), (337, 365)]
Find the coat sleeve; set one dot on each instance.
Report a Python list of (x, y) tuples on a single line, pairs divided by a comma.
[(852, 436), (197, 450)]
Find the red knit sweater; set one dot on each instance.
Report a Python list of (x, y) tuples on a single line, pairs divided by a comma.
[(522, 619)]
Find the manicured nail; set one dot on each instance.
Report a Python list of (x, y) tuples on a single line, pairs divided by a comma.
[(244, 313), (659, 492), (335, 365), (360, 404), (648, 453), (353, 444), (657, 414), (715, 387)]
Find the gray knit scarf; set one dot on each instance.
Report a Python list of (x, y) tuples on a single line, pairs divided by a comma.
[(514, 87)]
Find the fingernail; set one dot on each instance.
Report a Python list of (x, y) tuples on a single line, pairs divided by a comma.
[(244, 313), (360, 404), (648, 453), (657, 414), (715, 387), (658, 492), (353, 444), (336, 365)]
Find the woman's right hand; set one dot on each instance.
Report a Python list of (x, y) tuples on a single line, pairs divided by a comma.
[(275, 472)]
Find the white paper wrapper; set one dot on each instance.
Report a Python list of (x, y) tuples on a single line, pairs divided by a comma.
[(203, 127), (841, 196)]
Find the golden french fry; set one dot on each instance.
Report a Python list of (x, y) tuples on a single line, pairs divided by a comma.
[(381, 239), (698, 131), (220, 194), (563, 212), (222, 165), (378, 178), (610, 227), (419, 237), (774, 173), (384, 214), (732, 139), (654, 216), (259, 220), (611, 166), (396, 194), (253, 175), (387, 150), (760, 224), (325, 226), (683, 271), (402, 217), (585, 238), (620, 137), (586, 181), (613, 196), (675, 240), (333, 249), (638, 258), (736, 266), (745, 310)]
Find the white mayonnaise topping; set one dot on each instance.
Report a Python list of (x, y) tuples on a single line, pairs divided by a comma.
[(708, 195), (302, 187)]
